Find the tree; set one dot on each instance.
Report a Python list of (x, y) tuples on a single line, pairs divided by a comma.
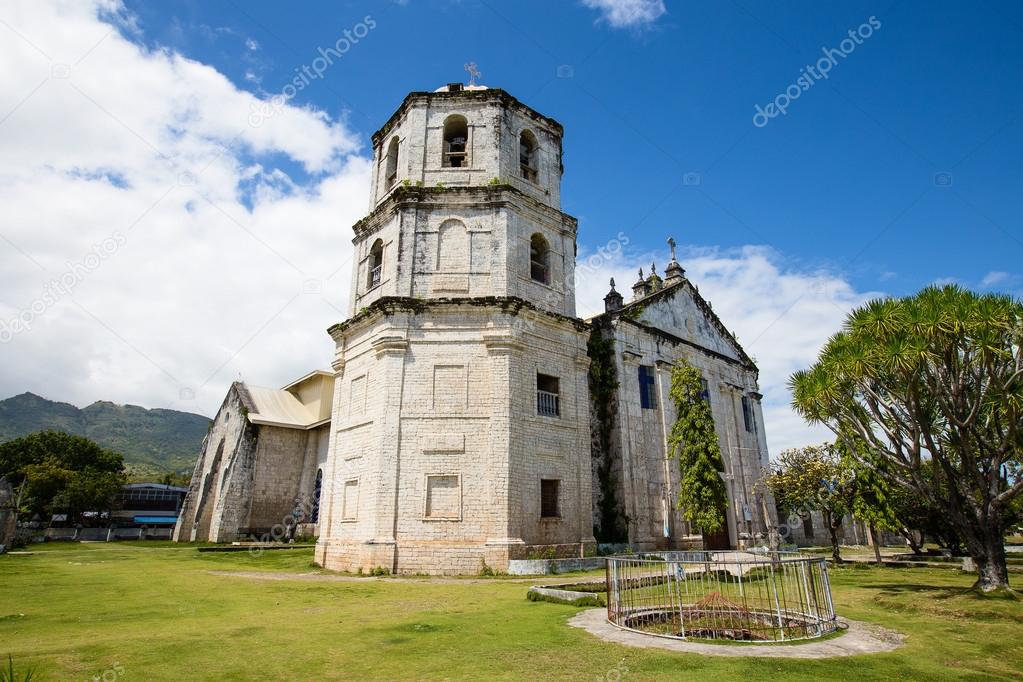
[(62, 473), (815, 478), (693, 441), (873, 498), (932, 383)]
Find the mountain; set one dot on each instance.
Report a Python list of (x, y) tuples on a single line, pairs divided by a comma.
[(152, 441)]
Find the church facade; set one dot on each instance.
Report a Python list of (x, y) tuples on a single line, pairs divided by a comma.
[(463, 425), (475, 419)]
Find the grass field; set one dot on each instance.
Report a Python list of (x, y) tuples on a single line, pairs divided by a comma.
[(155, 612)]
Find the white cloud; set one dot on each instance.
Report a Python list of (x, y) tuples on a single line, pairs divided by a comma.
[(628, 13), (219, 245), (213, 245), (781, 314), (994, 279)]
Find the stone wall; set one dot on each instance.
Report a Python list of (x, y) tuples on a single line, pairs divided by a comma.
[(249, 479), (438, 451), (495, 123), (646, 479), (218, 499)]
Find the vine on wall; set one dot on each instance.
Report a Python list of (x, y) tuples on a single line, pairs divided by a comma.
[(613, 525), (694, 442)]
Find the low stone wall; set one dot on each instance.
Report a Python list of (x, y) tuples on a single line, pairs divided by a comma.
[(560, 594), (553, 566), (107, 534)]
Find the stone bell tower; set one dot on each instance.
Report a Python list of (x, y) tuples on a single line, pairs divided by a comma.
[(460, 433), (465, 201)]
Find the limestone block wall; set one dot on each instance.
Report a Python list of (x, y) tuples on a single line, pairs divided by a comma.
[(277, 475), (217, 503), (648, 480), (678, 313), (464, 242), (438, 452), (248, 478)]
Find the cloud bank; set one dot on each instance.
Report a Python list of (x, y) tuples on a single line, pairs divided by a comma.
[(156, 248)]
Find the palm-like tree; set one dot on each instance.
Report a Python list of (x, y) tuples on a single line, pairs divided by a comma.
[(933, 384)]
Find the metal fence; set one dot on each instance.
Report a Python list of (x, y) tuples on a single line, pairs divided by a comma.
[(734, 595)]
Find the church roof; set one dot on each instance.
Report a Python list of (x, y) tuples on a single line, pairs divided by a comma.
[(277, 407)]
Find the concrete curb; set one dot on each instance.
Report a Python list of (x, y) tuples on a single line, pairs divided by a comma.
[(860, 638)]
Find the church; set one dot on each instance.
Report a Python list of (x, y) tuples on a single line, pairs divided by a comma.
[(473, 418)]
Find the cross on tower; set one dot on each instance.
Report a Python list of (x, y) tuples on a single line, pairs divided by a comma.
[(474, 72)]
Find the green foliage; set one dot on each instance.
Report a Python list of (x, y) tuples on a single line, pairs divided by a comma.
[(179, 480), (603, 383), (816, 478), (62, 472), (545, 552), (932, 383), (8, 674), (379, 570), (483, 629), (153, 442), (494, 181), (693, 441), (633, 312)]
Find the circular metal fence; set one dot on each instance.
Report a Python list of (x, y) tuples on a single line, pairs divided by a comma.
[(734, 595)]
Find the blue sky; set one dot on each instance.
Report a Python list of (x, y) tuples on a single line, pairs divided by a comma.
[(845, 179), (194, 248)]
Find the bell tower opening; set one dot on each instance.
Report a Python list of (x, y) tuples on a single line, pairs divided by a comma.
[(391, 164), (527, 156), (456, 137)]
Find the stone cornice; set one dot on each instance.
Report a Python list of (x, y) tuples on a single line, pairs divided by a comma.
[(390, 345), (512, 305), (494, 94), (476, 196)]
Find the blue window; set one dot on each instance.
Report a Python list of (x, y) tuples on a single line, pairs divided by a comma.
[(647, 388), (748, 416), (316, 496), (705, 390)]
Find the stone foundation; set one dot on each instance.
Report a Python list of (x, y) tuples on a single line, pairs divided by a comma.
[(438, 557)]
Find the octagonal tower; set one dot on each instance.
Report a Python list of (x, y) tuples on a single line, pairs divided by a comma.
[(460, 433)]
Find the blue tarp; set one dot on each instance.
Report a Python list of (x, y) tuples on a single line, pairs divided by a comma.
[(155, 519)]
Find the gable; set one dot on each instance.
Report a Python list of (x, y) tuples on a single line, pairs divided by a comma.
[(681, 312)]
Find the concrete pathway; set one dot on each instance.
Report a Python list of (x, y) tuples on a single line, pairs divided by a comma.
[(859, 638)]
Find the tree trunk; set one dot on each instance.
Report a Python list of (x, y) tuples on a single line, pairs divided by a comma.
[(915, 545), (833, 531), (877, 545), (988, 553)]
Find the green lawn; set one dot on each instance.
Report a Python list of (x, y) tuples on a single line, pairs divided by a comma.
[(153, 611)]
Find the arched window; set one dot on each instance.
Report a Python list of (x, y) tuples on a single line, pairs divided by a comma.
[(539, 257), (527, 155), (391, 164), (376, 264), (452, 247), (456, 137), (318, 486)]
